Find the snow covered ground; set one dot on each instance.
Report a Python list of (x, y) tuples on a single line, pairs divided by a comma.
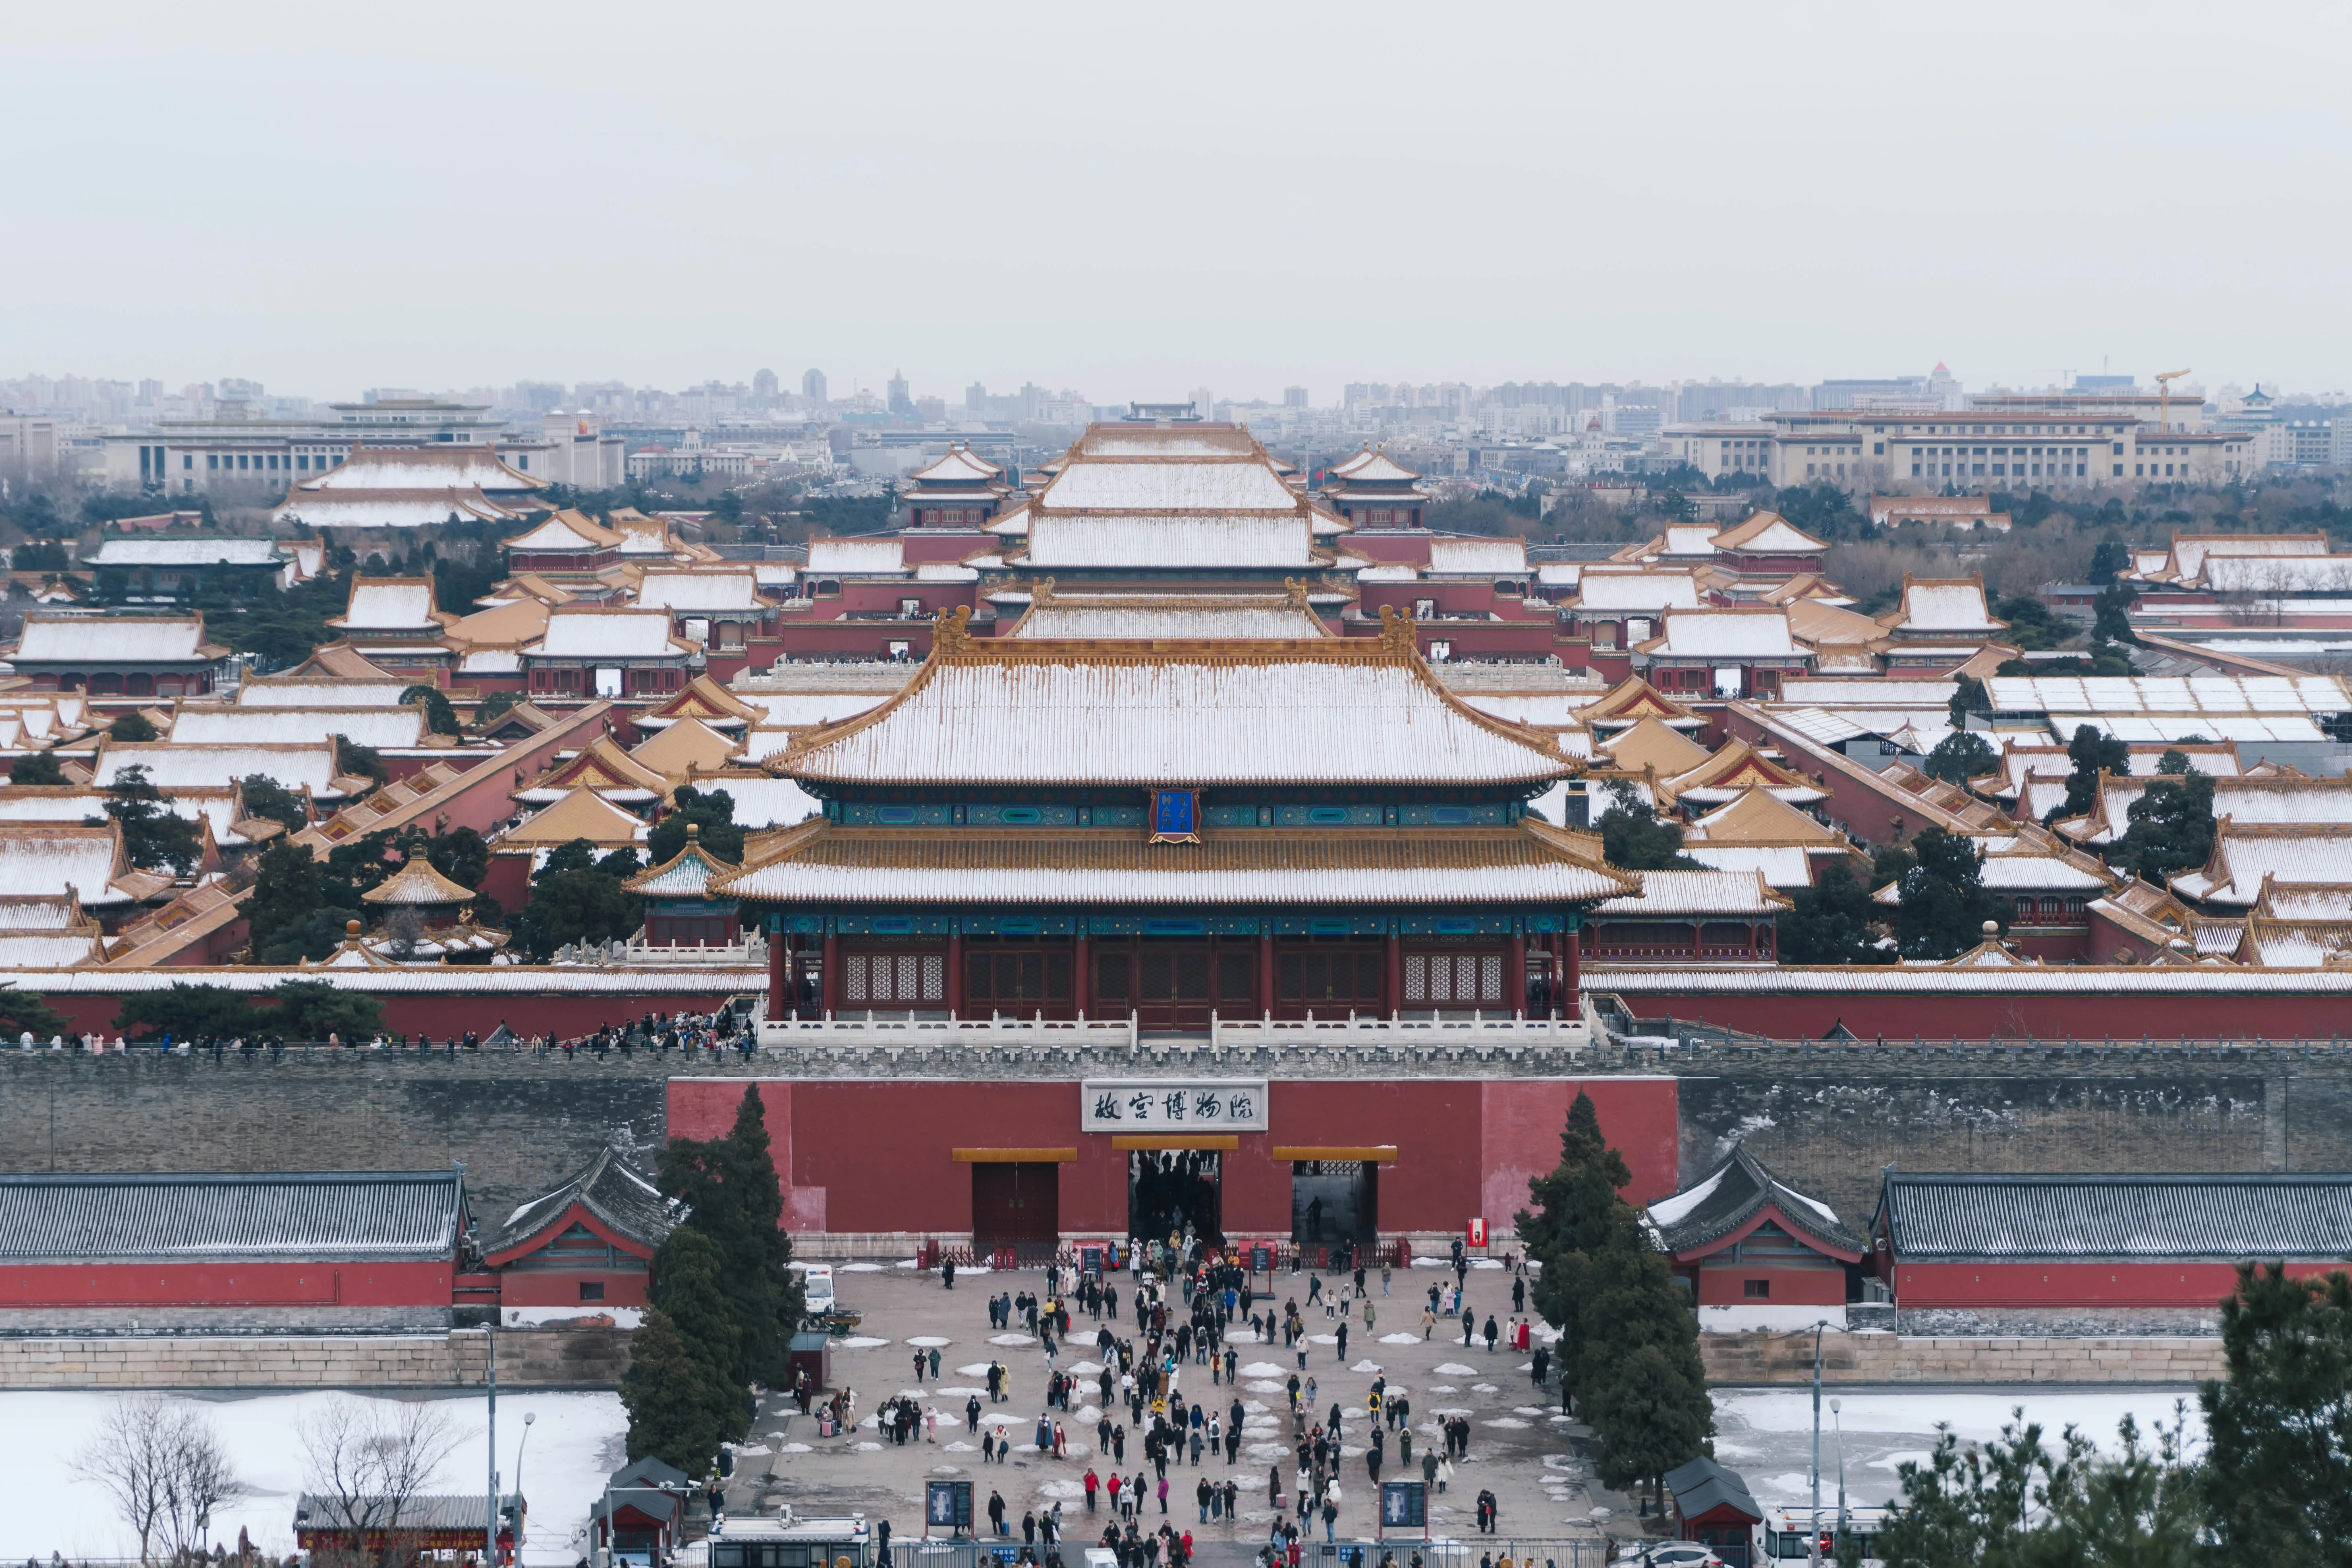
[(1766, 1434), (46, 1506)]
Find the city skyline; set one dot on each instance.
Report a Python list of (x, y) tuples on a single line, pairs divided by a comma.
[(1634, 202)]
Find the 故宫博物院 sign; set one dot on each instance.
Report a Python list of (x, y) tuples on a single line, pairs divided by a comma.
[(1173, 1105)]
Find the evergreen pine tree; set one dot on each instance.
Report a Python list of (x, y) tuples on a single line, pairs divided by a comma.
[(1650, 1414), (668, 1394), (2278, 1469)]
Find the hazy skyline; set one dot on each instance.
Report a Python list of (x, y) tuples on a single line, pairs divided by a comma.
[(1136, 203)]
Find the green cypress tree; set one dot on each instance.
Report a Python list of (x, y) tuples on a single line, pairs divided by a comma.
[(730, 1190), (687, 1289), (666, 1391)]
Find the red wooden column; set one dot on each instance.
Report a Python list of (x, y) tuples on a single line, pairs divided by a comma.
[(1082, 975), (780, 965), (1266, 997), (955, 974), (829, 975), (1395, 986), (1571, 995), (1515, 983)]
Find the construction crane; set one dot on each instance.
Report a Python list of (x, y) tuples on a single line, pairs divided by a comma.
[(2164, 404)]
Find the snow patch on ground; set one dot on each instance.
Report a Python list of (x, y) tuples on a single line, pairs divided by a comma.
[(1484, 1388), (1365, 1366), (1086, 1369), (1062, 1490), (929, 1342), (1261, 1369), (1267, 1386), (1323, 1338), (962, 1448), (858, 1269), (869, 1448), (1506, 1421), (1010, 1339), (977, 1369), (1455, 1369), (859, 1343)]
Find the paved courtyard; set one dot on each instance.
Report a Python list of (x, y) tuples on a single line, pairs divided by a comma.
[(1520, 1448)]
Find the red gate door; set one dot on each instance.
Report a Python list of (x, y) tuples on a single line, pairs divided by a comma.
[(1012, 1203)]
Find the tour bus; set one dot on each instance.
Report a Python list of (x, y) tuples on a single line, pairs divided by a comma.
[(1786, 1532)]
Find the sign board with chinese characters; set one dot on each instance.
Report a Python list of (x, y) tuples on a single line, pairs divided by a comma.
[(1172, 1105), (1404, 1505)]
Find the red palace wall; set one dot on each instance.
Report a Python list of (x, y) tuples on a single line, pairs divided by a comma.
[(321, 1284), (880, 1155), (2085, 1285), (1723, 1282), (2093, 1013)]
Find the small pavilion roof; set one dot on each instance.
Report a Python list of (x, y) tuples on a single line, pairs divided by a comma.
[(1632, 700), (688, 874), (1727, 1201), (706, 700), (601, 766), (961, 465), (685, 748), (569, 530), (1651, 743), (1769, 533), (582, 814), (1737, 766), (1757, 817), (416, 882)]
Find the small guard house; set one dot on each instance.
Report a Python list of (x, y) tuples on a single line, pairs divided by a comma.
[(1755, 1252)]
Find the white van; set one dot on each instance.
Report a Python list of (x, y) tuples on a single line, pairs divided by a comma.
[(817, 1282)]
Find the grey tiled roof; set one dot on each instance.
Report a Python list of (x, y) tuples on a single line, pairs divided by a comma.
[(613, 1192), (388, 1216), (1742, 1186), (2233, 1215)]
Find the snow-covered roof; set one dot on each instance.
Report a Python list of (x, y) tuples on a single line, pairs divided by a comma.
[(1724, 633), (1810, 693), (114, 639), (390, 604), (960, 466), (1085, 866), (219, 550), (869, 557), (1209, 540), (1544, 710), (1636, 591), (2250, 694), (1171, 616), (1769, 533), (1331, 712), (1786, 866), (1095, 485), (1478, 557), (595, 631), (199, 724), (564, 532), (172, 765), (798, 709), (701, 589), (2191, 552), (1687, 539), (2243, 858), (2278, 575), (1709, 892), (393, 509), (420, 469), (763, 800), (1369, 467), (62, 860), (1944, 604), (271, 692)]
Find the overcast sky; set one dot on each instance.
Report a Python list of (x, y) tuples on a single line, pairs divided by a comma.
[(1137, 200)]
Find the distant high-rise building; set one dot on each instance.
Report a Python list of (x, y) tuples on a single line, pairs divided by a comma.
[(813, 387), (765, 384), (1884, 392), (1294, 397), (975, 399), (151, 391), (1204, 402), (900, 402)]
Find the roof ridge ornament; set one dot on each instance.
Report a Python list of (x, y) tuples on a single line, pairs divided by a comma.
[(953, 639), (1399, 637)]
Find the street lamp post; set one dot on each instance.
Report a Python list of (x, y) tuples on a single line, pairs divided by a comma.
[(528, 1417), (1813, 1545), (1835, 1406)]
